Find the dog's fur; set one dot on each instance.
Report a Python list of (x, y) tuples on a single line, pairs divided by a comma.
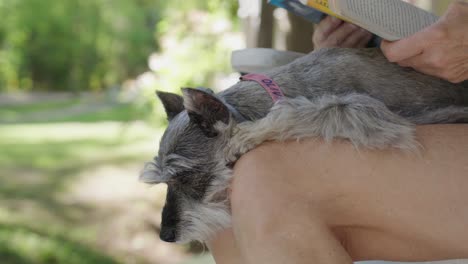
[(354, 94)]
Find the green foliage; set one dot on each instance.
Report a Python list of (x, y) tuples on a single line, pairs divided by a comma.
[(196, 39), (75, 44), (79, 45), (74, 110), (194, 44), (120, 112)]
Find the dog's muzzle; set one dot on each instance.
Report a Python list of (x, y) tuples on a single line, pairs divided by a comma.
[(168, 234)]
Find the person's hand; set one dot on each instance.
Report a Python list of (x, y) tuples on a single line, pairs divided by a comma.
[(440, 50), (333, 32)]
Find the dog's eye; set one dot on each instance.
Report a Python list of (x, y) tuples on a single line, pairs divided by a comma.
[(189, 184)]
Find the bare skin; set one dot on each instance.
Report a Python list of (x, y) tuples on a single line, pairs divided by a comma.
[(316, 202)]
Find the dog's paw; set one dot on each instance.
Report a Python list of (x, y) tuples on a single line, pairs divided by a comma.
[(244, 139)]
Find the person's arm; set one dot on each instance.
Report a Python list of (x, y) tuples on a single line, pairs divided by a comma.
[(332, 32), (440, 50)]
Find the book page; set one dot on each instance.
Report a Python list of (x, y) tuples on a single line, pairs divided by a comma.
[(390, 19), (322, 6)]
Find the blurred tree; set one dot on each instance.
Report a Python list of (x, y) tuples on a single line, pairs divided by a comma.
[(299, 38), (265, 31), (74, 45), (196, 39)]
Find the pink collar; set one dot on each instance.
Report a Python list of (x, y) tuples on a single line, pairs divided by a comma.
[(268, 84)]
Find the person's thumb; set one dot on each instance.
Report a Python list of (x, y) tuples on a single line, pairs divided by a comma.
[(404, 48)]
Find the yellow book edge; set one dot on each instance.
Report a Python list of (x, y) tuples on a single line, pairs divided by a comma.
[(324, 7)]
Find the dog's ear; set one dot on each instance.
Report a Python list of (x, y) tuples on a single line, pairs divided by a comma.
[(205, 110), (151, 174), (173, 103)]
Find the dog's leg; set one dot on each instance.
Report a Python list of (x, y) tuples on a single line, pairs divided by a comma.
[(361, 119)]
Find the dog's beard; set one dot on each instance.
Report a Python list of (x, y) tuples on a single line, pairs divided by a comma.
[(201, 220)]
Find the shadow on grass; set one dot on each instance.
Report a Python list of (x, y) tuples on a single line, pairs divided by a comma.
[(24, 245), (37, 172)]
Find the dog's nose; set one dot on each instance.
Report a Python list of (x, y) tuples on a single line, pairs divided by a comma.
[(168, 234)]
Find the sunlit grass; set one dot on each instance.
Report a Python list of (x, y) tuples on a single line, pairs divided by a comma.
[(40, 161), (46, 166), (120, 112), (13, 112), (73, 111), (70, 131), (44, 157), (19, 109)]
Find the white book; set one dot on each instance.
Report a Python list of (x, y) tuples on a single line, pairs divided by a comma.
[(389, 19)]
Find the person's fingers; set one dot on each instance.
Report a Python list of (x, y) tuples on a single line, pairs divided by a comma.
[(331, 23), (356, 39), (429, 71), (435, 57), (422, 63), (454, 72), (337, 37), (417, 62), (404, 48), (324, 28), (364, 41), (461, 76)]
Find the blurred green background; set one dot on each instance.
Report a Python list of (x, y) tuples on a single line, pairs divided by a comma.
[(78, 116)]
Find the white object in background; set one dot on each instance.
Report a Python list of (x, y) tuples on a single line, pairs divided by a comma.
[(256, 60)]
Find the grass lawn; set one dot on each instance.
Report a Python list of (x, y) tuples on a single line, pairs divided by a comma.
[(39, 163), (69, 190), (18, 109)]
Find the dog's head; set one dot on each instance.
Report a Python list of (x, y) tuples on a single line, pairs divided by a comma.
[(191, 162)]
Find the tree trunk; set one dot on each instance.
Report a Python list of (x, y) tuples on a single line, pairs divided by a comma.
[(300, 37), (265, 31)]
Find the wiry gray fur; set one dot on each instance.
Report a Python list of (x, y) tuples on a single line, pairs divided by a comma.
[(332, 93)]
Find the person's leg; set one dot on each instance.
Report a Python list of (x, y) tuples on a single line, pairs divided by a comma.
[(224, 248), (278, 213)]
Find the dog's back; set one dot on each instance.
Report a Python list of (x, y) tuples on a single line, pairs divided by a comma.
[(344, 71)]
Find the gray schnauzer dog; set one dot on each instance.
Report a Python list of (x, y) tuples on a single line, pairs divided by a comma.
[(354, 94)]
